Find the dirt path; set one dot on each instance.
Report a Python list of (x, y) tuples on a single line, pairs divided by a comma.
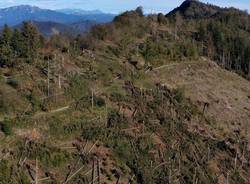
[(40, 113), (51, 112), (175, 64)]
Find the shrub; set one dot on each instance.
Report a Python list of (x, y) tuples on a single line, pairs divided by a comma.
[(5, 127), (13, 83), (115, 119), (139, 11), (5, 174), (99, 32), (36, 104), (161, 18), (78, 88), (179, 94), (91, 133), (100, 102), (117, 97)]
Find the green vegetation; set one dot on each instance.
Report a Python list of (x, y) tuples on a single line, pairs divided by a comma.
[(15, 44), (6, 127), (97, 107)]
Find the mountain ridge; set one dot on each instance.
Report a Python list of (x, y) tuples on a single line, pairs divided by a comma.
[(17, 14), (80, 11), (95, 15)]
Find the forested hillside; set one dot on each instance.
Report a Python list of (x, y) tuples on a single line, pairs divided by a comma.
[(143, 99), (222, 34)]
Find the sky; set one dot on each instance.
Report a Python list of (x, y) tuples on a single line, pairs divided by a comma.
[(118, 6)]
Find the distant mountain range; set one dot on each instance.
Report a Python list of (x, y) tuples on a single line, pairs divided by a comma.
[(96, 15), (17, 14), (49, 21), (80, 11)]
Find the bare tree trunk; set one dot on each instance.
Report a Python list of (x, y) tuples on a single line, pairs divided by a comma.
[(118, 180), (92, 99), (48, 79), (227, 182), (235, 161), (93, 171), (36, 176), (98, 171), (59, 82), (208, 154)]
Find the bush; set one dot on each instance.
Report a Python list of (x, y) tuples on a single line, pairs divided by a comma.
[(117, 97), (179, 94), (115, 119), (161, 18), (139, 11), (34, 100), (99, 32), (13, 83), (100, 102), (92, 133), (78, 88), (5, 174), (6, 127)]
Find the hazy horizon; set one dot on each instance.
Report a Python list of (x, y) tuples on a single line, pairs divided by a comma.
[(111, 6)]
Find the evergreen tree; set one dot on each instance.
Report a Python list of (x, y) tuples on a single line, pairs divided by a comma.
[(17, 43), (5, 47), (161, 18), (6, 35), (31, 40), (139, 11)]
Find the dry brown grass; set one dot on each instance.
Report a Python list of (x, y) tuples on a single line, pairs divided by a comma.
[(226, 92)]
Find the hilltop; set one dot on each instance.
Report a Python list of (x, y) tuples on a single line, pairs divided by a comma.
[(193, 9), (143, 99)]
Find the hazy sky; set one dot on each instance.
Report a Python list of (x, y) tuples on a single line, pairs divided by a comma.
[(117, 6)]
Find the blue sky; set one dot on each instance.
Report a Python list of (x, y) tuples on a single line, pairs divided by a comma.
[(117, 6)]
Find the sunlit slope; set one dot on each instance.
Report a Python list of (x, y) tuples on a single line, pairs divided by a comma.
[(204, 82)]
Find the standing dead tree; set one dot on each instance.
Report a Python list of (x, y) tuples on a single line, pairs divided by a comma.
[(93, 172), (205, 107)]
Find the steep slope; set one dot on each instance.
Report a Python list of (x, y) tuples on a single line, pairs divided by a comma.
[(205, 82), (132, 101), (140, 131)]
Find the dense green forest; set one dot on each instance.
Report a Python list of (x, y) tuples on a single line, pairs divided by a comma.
[(96, 108)]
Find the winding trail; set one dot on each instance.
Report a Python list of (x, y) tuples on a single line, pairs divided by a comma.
[(176, 64), (51, 112), (37, 114)]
